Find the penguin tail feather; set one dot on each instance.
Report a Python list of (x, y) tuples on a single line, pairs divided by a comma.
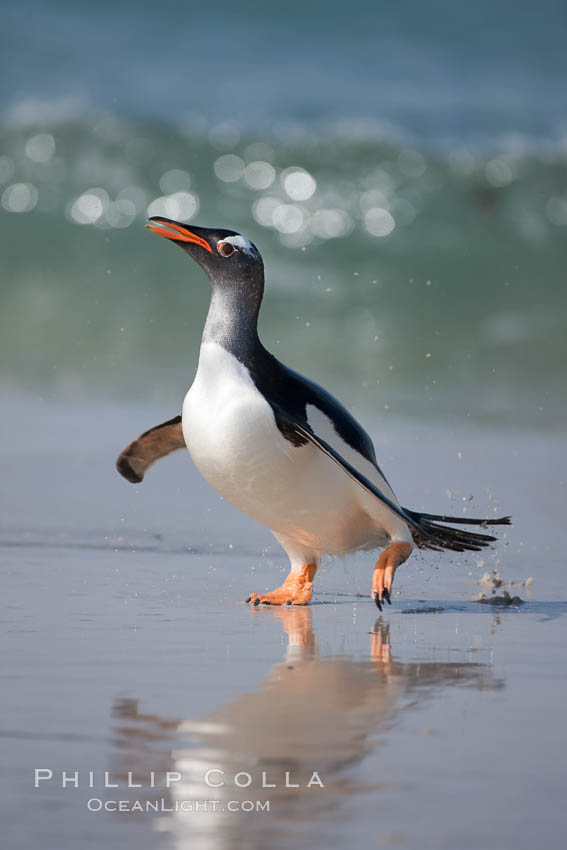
[(432, 534)]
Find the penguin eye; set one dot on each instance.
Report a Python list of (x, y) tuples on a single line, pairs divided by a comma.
[(225, 249)]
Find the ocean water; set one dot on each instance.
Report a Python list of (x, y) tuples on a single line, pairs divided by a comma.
[(403, 171), (436, 72)]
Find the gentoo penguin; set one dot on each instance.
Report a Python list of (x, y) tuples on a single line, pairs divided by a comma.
[(278, 446)]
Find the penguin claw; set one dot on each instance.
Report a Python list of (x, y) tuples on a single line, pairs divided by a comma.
[(377, 600), (386, 596), (256, 602), (249, 599)]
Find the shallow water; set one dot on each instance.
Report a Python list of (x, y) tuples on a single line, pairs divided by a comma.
[(127, 648)]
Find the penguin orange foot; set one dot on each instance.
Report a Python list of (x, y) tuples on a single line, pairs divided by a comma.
[(383, 575), (297, 589)]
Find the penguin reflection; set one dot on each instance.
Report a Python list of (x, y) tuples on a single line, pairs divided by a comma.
[(311, 715)]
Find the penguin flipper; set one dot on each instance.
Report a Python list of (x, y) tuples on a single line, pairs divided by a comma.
[(301, 433), (426, 534), (158, 442)]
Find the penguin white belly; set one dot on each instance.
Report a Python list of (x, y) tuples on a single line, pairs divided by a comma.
[(298, 492)]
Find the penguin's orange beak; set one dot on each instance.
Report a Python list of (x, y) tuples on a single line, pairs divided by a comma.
[(175, 231)]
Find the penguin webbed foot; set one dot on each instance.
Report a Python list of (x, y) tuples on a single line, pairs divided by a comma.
[(383, 576), (281, 596), (297, 589)]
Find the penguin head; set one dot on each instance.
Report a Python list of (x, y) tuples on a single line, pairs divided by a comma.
[(227, 257)]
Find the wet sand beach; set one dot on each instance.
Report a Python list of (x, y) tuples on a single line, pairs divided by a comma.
[(127, 650)]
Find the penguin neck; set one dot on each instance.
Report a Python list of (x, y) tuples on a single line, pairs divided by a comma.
[(232, 320)]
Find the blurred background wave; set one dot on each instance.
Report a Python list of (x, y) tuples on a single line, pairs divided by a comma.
[(402, 168)]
